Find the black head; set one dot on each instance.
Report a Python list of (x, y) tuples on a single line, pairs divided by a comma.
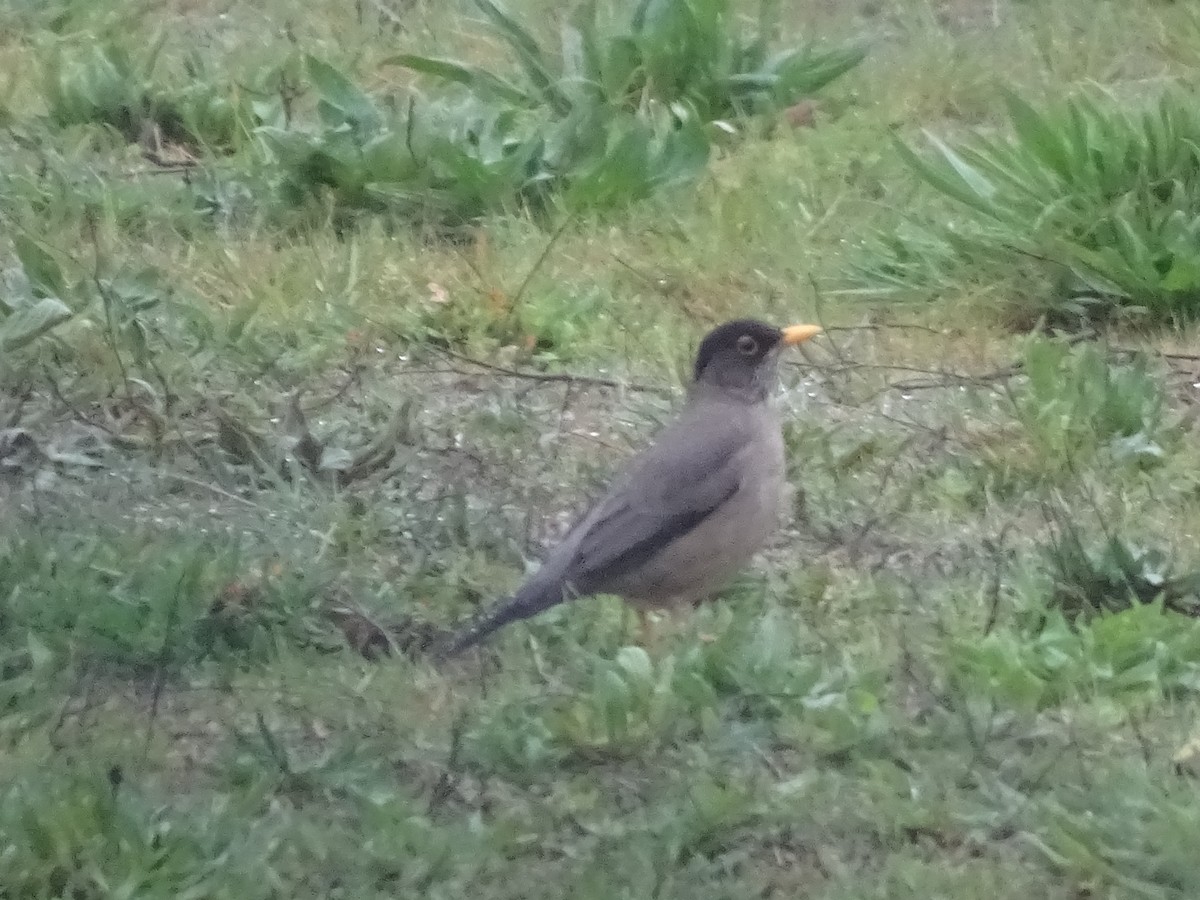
[(742, 343), (739, 356)]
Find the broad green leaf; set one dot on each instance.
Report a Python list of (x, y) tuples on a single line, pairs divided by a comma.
[(640, 13), (1135, 251), (1099, 269), (621, 67), (31, 322), (804, 72), (512, 30), (1038, 134), (583, 20), (958, 188), (388, 159), (529, 54), (340, 93), (758, 81), (480, 80), (574, 57), (44, 274), (1184, 274), (685, 154), (636, 662), (290, 147), (970, 175)]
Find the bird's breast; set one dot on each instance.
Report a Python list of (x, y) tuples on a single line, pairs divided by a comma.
[(702, 561)]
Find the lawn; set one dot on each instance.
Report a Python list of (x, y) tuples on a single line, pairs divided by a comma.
[(319, 321)]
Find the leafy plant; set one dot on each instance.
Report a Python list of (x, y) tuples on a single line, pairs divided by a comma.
[(31, 302), (690, 55), (298, 451), (104, 82), (29, 669), (1112, 573), (1142, 651), (608, 120), (435, 163), (760, 669), (624, 706), (1103, 198), (709, 817), (92, 836), (125, 308), (1133, 839), (1074, 400), (450, 163), (120, 599), (750, 669), (631, 702)]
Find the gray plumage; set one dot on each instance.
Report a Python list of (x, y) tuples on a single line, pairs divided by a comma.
[(690, 510)]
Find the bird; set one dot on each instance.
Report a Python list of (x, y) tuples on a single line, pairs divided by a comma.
[(686, 513)]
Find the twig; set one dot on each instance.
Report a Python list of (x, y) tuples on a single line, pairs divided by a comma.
[(539, 262), (819, 303), (220, 492), (83, 678), (997, 549), (939, 432), (106, 302), (555, 377), (954, 379), (1131, 351), (648, 279), (854, 544), (80, 416), (885, 326), (447, 783), (772, 766), (843, 366), (595, 439), (162, 164), (563, 410), (353, 379), (159, 684), (159, 169)]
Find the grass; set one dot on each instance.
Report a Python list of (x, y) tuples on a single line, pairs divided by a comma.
[(261, 457)]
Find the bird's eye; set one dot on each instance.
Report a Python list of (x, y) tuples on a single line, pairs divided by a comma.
[(746, 345)]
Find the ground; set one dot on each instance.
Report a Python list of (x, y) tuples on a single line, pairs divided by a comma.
[(212, 681)]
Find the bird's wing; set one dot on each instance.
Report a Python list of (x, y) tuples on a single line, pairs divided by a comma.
[(688, 474)]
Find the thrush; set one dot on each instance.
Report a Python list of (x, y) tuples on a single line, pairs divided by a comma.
[(689, 511)]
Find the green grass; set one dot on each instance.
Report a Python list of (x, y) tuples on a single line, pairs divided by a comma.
[(259, 460)]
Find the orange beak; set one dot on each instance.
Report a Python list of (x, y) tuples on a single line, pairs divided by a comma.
[(798, 334)]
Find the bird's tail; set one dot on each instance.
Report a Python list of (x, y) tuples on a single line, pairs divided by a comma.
[(530, 600)]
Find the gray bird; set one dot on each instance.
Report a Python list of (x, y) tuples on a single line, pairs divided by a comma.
[(689, 511)]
